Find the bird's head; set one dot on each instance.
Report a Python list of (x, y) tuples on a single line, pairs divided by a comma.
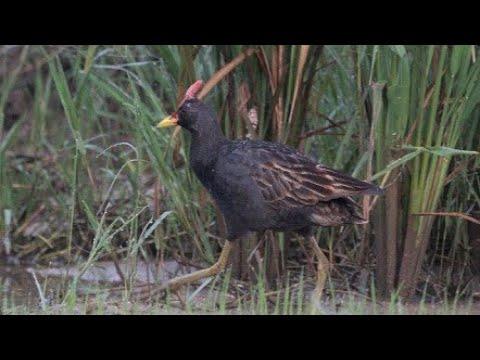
[(192, 114)]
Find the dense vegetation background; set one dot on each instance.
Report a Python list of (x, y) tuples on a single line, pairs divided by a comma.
[(84, 175)]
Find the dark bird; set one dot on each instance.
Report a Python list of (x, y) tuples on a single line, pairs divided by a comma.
[(260, 185)]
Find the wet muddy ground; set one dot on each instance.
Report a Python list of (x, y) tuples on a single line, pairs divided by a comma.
[(31, 287), (41, 290)]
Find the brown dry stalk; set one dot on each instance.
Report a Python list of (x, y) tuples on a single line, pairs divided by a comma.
[(224, 71), (302, 59), (277, 78), (371, 147), (262, 57), (321, 131), (453, 214), (29, 220)]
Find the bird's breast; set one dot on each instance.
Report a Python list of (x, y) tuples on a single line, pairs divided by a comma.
[(204, 172)]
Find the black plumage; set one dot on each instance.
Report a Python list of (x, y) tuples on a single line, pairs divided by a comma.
[(261, 185)]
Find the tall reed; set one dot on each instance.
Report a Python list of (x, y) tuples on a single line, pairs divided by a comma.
[(421, 99)]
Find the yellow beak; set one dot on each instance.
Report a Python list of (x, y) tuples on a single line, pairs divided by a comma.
[(167, 122)]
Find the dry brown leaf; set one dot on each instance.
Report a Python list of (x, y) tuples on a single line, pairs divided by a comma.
[(452, 214)]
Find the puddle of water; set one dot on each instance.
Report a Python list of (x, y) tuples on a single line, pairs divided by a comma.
[(21, 286), (17, 286), (106, 272)]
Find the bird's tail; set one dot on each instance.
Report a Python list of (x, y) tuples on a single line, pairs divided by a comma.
[(356, 211), (346, 185), (337, 212)]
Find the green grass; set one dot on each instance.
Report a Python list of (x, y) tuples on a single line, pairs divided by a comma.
[(221, 297), (86, 177)]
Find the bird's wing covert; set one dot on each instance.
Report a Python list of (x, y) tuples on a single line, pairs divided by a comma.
[(288, 178)]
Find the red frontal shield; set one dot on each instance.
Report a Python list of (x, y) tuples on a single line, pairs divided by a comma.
[(192, 91)]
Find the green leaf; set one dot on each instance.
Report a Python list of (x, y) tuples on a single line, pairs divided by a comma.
[(9, 137), (441, 150), (110, 89), (396, 163), (399, 50)]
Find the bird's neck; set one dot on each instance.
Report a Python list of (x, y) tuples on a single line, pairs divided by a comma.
[(204, 147)]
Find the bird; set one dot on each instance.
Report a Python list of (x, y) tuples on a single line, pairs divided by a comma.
[(260, 185)]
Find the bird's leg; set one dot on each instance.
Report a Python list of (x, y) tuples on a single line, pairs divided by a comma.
[(323, 268), (216, 268)]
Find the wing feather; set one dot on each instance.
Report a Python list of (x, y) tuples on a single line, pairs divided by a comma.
[(288, 178)]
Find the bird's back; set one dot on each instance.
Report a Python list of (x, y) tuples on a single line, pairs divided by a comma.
[(265, 185)]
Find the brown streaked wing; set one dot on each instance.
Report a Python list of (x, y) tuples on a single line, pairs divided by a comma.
[(295, 180)]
